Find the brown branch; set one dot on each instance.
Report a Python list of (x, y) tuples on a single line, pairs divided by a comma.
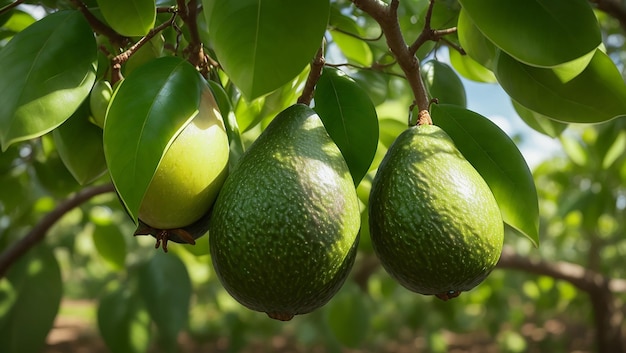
[(387, 18), (99, 26), (117, 61), (317, 66), (428, 33), (607, 315), (195, 49), (38, 232), (10, 6), (580, 277)]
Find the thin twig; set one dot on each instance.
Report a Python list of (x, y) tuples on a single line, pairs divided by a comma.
[(117, 61), (99, 26), (428, 33), (387, 18), (38, 232), (195, 49), (317, 66), (10, 6), (337, 29)]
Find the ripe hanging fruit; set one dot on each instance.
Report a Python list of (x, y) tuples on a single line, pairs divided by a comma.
[(434, 222), (284, 229), (188, 178)]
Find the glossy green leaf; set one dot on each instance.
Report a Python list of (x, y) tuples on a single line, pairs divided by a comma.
[(129, 17), (538, 122), (348, 316), (499, 162), (110, 244), (165, 287), (595, 95), (390, 129), (443, 84), (230, 122), (542, 33), (348, 36), (147, 111), (350, 119), (262, 45), (79, 143), (375, 83), (36, 279), (470, 68), (123, 322), (52, 68), (475, 44)]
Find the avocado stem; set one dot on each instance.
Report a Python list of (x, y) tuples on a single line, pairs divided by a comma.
[(317, 66)]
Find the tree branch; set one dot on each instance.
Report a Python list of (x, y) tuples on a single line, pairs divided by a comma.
[(195, 49), (38, 232), (99, 26), (117, 61), (606, 307), (387, 18), (317, 66), (580, 277), (10, 6)]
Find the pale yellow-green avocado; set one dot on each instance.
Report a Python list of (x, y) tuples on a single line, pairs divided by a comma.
[(434, 223), (191, 172)]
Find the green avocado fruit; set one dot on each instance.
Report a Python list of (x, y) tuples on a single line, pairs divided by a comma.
[(191, 172), (434, 223), (284, 229)]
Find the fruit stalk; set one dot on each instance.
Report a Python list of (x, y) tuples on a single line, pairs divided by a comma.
[(387, 18)]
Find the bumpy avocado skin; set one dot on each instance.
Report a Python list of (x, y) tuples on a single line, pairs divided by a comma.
[(284, 229), (434, 222)]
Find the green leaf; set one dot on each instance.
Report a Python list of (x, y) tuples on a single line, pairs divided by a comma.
[(615, 151), (471, 69), (147, 111), (538, 122), (129, 17), (79, 143), (390, 129), (110, 244), (348, 316), (347, 34), (230, 122), (499, 162), (36, 278), (261, 45), (123, 322), (375, 83), (475, 44), (165, 287), (542, 33), (443, 83), (52, 68), (595, 95), (350, 119)]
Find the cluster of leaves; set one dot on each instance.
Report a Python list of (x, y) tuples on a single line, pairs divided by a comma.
[(554, 68)]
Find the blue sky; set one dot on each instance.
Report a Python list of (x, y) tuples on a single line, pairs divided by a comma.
[(490, 100)]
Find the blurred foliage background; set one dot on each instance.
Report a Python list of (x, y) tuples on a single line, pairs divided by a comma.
[(119, 290)]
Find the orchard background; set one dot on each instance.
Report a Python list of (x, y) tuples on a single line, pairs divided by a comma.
[(369, 68)]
